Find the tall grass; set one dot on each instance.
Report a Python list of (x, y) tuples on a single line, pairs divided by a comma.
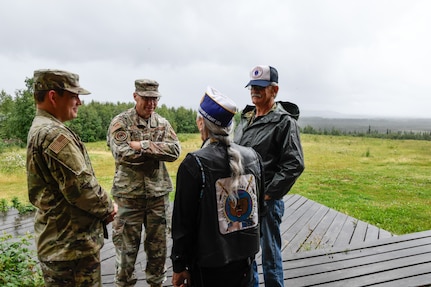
[(384, 182)]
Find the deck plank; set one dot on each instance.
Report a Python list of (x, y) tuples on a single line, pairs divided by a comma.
[(297, 235), (393, 260), (372, 233), (319, 244), (332, 233), (359, 232), (315, 241)]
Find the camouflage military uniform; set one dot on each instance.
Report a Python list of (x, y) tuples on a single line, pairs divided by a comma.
[(71, 204), (58, 273), (141, 186)]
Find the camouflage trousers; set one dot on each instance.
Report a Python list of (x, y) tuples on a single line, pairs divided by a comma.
[(84, 272), (126, 235)]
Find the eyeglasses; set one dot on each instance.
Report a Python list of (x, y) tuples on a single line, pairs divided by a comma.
[(256, 88), (151, 99)]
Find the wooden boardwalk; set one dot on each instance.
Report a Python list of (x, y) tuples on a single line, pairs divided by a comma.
[(399, 261), (320, 247)]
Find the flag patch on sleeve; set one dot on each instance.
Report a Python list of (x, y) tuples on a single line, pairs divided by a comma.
[(59, 143)]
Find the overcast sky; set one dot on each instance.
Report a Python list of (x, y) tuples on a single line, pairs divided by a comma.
[(359, 57)]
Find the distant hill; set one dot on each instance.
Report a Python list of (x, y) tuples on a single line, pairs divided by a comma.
[(382, 125)]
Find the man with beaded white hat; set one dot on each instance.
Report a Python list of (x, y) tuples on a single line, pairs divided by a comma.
[(215, 222), (141, 141), (270, 128)]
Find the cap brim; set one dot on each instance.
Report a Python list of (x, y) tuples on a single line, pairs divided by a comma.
[(153, 94), (261, 83), (79, 91)]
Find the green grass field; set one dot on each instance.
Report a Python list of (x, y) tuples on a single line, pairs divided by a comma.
[(384, 182)]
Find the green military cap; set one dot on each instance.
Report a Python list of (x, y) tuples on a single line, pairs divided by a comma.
[(147, 88), (47, 79)]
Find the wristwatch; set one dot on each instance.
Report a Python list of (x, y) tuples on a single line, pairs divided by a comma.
[(145, 144)]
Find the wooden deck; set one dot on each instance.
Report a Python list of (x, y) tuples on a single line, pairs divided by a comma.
[(398, 261), (320, 247)]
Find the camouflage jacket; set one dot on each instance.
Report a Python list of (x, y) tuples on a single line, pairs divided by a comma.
[(142, 174), (61, 184)]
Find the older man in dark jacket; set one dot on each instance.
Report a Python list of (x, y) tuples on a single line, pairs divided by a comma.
[(270, 128)]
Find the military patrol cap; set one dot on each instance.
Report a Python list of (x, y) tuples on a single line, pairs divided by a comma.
[(47, 79), (217, 108), (263, 76), (147, 88)]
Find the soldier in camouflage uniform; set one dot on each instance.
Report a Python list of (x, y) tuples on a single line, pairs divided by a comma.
[(141, 141), (72, 208)]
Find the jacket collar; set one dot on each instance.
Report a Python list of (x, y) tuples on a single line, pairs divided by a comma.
[(283, 107)]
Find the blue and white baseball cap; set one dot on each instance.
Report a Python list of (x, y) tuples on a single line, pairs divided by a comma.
[(263, 76), (217, 108)]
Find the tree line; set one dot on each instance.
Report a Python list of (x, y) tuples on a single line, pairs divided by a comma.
[(17, 112), (372, 133)]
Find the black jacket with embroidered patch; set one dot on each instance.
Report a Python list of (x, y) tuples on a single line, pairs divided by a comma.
[(196, 233)]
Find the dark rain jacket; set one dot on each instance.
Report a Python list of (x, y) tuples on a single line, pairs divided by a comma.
[(275, 136)]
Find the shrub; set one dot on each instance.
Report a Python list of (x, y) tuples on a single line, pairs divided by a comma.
[(3, 205), (18, 266), (22, 208)]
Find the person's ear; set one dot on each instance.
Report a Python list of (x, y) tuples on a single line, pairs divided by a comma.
[(200, 123), (52, 97), (135, 97)]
